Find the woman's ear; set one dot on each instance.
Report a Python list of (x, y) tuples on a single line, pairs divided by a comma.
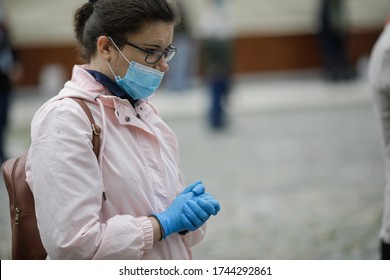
[(104, 48)]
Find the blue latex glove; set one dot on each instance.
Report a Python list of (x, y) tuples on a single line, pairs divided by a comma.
[(208, 197), (197, 188), (198, 210), (170, 220)]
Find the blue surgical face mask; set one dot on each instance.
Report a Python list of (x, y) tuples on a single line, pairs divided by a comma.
[(140, 81)]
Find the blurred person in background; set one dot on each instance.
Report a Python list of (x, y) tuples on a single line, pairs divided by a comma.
[(132, 202), (332, 33), (379, 75), (215, 34), (10, 71)]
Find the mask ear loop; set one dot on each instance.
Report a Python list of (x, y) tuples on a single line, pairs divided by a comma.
[(109, 66), (118, 49)]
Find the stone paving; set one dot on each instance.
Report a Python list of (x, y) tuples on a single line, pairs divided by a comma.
[(298, 172)]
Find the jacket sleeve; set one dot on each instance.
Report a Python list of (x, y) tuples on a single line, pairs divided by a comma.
[(193, 238), (67, 184), (379, 64), (379, 73)]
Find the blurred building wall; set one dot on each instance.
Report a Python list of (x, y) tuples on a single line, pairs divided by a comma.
[(269, 35)]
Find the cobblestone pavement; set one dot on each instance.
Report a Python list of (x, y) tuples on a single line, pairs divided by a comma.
[(298, 172)]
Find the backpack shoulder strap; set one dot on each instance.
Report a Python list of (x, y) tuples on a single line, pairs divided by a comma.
[(95, 128)]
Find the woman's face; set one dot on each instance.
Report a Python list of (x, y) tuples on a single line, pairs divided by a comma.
[(153, 36)]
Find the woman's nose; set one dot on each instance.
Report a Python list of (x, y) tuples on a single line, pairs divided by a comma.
[(162, 65)]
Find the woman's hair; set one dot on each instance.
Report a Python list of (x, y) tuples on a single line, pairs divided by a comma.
[(118, 19)]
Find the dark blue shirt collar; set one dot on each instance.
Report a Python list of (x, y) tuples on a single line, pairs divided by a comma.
[(111, 85)]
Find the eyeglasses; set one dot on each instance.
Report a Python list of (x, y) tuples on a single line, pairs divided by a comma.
[(153, 56)]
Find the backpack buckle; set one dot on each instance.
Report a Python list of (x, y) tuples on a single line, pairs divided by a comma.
[(96, 129)]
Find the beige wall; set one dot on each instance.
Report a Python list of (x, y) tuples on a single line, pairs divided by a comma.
[(293, 16), (46, 22), (41, 22)]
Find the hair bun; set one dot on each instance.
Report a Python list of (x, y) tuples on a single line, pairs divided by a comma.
[(92, 1)]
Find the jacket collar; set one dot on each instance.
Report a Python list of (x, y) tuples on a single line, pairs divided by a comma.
[(111, 86)]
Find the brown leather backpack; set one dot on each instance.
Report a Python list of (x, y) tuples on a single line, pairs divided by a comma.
[(26, 241)]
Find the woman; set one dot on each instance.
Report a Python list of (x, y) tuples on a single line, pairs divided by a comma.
[(130, 204)]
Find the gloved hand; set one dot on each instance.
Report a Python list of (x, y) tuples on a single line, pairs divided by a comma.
[(170, 220), (198, 210), (208, 197), (197, 188)]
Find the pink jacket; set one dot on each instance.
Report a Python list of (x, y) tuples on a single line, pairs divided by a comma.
[(138, 169), (379, 73)]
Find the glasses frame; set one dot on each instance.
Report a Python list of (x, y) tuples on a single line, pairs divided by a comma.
[(164, 53)]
